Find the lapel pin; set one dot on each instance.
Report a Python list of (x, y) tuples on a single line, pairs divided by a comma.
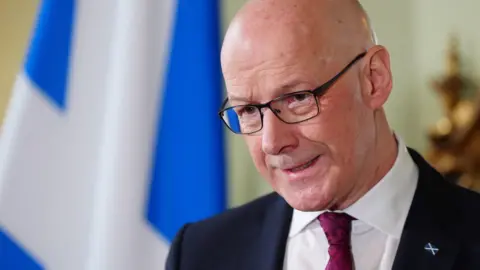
[(431, 248)]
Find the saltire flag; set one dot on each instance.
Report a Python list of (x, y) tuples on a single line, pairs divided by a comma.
[(111, 140)]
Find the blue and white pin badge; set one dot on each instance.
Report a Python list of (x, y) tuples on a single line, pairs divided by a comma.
[(431, 249)]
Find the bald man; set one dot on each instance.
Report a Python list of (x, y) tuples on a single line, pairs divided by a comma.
[(306, 87)]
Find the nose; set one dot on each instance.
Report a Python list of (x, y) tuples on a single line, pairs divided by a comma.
[(277, 137)]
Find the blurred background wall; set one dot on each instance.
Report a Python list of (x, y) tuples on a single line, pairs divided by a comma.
[(415, 32), (16, 18)]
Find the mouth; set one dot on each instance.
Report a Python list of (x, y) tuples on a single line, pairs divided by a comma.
[(303, 166)]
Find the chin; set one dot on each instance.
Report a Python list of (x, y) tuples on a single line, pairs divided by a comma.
[(307, 202)]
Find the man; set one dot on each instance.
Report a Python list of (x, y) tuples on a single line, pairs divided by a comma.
[(306, 83)]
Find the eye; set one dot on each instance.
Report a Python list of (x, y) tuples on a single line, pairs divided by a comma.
[(298, 99), (245, 111)]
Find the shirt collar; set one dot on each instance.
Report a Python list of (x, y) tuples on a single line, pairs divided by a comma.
[(385, 206)]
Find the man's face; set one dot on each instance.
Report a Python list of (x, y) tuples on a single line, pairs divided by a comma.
[(313, 164)]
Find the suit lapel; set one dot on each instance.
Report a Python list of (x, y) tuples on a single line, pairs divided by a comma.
[(429, 239), (270, 251), (416, 251)]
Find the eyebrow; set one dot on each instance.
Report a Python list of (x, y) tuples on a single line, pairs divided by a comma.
[(278, 91), (290, 85), (238, 98)]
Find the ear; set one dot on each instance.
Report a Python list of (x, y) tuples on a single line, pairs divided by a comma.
[(377, 77)]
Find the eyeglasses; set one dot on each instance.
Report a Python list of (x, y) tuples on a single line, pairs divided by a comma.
[(290, 108)]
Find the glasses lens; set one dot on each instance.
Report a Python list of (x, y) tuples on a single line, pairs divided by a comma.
[(296, 107), (243, 119)]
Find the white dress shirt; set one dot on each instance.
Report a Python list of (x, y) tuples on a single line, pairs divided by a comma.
[(380, 214)]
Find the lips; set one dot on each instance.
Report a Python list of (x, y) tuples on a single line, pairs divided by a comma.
[(302, 166)]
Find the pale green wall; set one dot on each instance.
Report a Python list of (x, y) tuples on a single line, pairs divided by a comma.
[(416, 34), (436, 19)]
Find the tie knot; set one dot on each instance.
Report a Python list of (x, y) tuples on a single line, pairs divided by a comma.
[(337, 227)]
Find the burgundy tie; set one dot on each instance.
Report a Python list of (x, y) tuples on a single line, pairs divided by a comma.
[(337, 228)]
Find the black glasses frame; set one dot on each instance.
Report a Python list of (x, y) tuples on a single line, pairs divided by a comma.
[(319, 91)]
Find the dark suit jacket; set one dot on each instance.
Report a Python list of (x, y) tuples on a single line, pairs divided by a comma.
[(254, 236)]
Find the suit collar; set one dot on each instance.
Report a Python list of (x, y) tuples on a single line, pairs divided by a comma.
[(429, 225)]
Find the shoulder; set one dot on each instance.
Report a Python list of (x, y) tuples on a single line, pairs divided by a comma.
[(456, 205), (464, 217), (212, 241), (244, 216), (467, 203)]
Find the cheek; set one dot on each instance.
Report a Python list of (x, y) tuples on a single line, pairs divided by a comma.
[(337, 128), (254, 144), (350, 136)]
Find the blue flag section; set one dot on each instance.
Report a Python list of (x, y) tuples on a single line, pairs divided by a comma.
[(188, 177), (47, 63), (12, 256)]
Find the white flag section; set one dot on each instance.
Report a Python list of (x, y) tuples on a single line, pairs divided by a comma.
[(111, 140)]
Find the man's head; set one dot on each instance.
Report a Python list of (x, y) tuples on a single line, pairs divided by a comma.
[(276, 47)]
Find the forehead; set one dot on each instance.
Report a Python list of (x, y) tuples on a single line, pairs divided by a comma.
[(259, 63), (262, 77)]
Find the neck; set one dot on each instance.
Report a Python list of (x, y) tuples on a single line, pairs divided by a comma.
[(382, 156)]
